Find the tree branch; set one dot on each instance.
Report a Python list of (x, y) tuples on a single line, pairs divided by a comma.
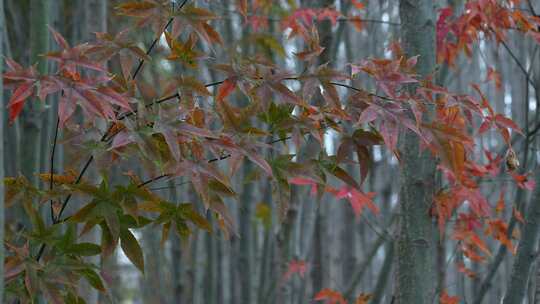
[(51, 167), (91, 158)]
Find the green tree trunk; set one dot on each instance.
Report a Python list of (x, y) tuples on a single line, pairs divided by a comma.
[(415, 281)]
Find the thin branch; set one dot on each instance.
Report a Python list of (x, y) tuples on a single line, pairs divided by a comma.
[(212, 160), (339, 19), (51, 183), (153, 180), (519, 64), (135, 111), (226, 156), (141, 62), (360, 90), (91, 158), (531, 7)]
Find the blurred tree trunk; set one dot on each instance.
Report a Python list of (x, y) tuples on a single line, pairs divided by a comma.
[(211, 282), (361, 269), (50, 113), (11, 133), (2, 29), (384, 274), (154, 283), (415, 281), (94, 15), (176, 262), (266, 255), (536, 79), (526, 251), (246, 236), (32, 115), (321, 269)]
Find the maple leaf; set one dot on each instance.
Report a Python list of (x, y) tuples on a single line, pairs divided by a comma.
[(183, 51), (388, 74), (303, 182), (153, 12), (500, 202), (197, 19), (358, 200), (470, 243), (495, 76), (502, 123), (443, 208), (358, 5), (363, 298), (461, 268), (523, 181), (23, 83), (447, 299), (517, 214), (295, 267), (329, 13), (330, 296), (226, 88), (91, 93), (498, 230), (108, 45), (242, 7), (257, 22), (476, 199), (69, 58), (357, 23), (314, 48)]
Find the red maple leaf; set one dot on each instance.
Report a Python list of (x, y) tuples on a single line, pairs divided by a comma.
[(523, 181), (330, 296), (358, 200), (446, 299), (295, 267), (23, 81), (305, 182)]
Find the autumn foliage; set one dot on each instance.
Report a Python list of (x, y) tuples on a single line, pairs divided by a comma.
[(189, 128)]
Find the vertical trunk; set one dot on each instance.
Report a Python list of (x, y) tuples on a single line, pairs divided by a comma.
[(321, 271), (50, 112), (32, 113), (1, 158), (526, 251), (320, 267), (12, 134), (176, 263), (362, 268), (246, 236), (537, 285), (153, 283), (211, 267), (415, 245), (441, 260), (384, 274), (95, 17), (266, 256)]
